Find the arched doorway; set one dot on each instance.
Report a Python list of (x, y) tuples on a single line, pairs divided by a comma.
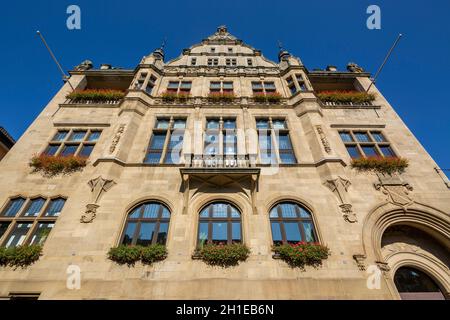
[(414, 284)]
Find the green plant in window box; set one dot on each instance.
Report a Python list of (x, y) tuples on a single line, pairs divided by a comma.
[(130, 254), (222, 255), (302, 254), (54, 165), (274, 97), (388, 165), (345, 96), (169, 96), (260, 98), (96, 95), (153, 253), (221, 97), (20, 256)]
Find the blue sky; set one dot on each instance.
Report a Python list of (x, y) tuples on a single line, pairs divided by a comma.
[(415, 80)]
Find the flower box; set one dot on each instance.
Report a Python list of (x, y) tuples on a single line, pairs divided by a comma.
[(302, 254), (96, 95), (274, 97), (388, 165), (129, 255), (222, 255), (340, 96), (173, 96), (221, 97), (54, 165), (20, 256)]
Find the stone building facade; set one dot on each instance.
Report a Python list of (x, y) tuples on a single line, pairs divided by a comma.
[(377, 227)]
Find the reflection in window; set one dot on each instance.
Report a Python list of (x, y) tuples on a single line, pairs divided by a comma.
[(291, 223), (147, 224), (220, 223)]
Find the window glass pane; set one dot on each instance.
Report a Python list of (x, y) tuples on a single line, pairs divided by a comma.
[(60, 135), (276, 233), (262, 124), (353, 152), (151, 210), (228, 85), (69, 150), (304, 213), (236, 232), (94, 135), (387, 151), (51, 149), (55, 207), (230, 144), (173, 85), (146, 234), (202, 233), (165, 213), (215, 85), (229, 124), (378, 136), (287, 158), (234, 212), (179, 124), (129, 232), (219, 232), (292, 232), (78, 135), (264, 139), (3, 227), (257, 85), (219, 210), (162, 233), (41, 233), (362, 136), (369, 151), (279, 124), (86, 150), (136, 213), (309, 231), (274, 212), (162, 124), (158, 141), (18, 235), (13, 207), (267, 157), (346, 136), (284, 142), (185, 85), (205, 212), (269, 85), (212, 124), (293, 89), (176, 140), (288, 210), (34, 207), (153, 157)]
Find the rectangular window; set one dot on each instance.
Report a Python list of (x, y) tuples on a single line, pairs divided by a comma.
[(73, 142), (221, 86), (18, 234), (250, 62), (193, 61), (285, 149), (55, 207), (171, 131), (366, 144), (34, 207), (269, 129), (13, 207), (263, 87)]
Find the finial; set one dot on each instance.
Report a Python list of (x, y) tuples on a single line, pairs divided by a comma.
[(163, 43), (280, 45), (222, 29)]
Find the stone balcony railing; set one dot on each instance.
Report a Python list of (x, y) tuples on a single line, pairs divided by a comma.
[(347, 104), (190, 101), (218, 161), (91, 102)]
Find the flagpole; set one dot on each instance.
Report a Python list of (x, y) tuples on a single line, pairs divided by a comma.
[(54, 59), (384, 62)]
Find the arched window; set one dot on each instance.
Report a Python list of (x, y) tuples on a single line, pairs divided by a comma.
[(414, 284), (220, 223), (147, 224), (291, 223)]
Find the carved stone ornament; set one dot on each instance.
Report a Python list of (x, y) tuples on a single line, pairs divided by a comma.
[(339, 186), (98, 187), (116, 138), (90, 213), (85, 65), (353, 67), (397, 191), (323, 139), (383, 266), (360, 258)]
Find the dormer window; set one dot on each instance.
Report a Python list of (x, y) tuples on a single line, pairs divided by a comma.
[(230, 50), (249, 62), (213, 50), (193, 61)]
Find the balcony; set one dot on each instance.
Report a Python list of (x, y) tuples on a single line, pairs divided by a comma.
[(218, 161)]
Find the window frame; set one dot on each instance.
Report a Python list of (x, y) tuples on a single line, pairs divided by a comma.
[(298, 220), (20, 218), (360, 145), (66, 141), (138, 221), (210, 220)]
